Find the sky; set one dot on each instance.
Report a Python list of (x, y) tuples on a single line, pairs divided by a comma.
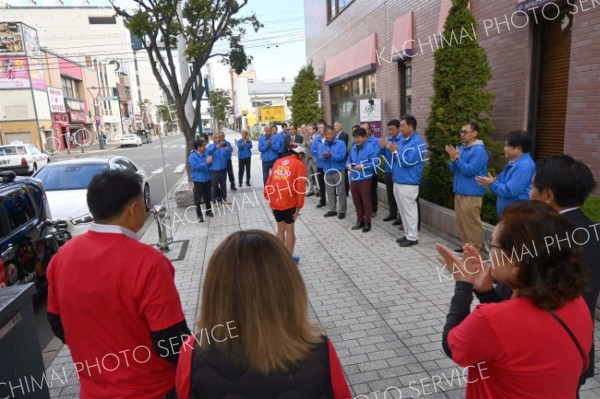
[(278, 49)]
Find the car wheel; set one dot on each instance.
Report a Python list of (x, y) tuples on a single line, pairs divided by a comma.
[(34, 169), (147, 197)]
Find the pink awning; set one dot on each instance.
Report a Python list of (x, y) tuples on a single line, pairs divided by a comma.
[(527, 5), (444, 10), (402, 42), (352, 61)]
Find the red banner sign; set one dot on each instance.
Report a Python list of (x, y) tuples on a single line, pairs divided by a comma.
[(77, 116), (60, 119)]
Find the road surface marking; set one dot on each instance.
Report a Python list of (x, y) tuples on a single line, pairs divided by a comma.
[(179, 168)]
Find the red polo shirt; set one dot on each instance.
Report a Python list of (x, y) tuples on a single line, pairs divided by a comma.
[(111, 291)]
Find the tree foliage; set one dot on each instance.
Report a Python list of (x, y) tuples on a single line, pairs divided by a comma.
[(305, 97), (220, 102), (202, 25), (460, 77)]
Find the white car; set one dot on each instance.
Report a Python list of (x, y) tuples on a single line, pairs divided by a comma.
[(131, 140), (66, 182), (21, 158)]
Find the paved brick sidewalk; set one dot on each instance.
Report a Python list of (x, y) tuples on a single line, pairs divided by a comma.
[(383, 306)]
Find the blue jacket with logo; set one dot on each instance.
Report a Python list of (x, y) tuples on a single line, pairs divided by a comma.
[(244, 150), (407, 163), (472, 162), (387, 155), (337, 160), (315, 147), (514, 182), (270, 153), (367, 156), (220, 156), (200, 169)]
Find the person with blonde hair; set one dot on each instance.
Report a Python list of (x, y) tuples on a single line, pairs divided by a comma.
[(270, 348)]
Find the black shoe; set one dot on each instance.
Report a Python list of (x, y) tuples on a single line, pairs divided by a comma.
[(367, 228), (247, 184), (388, 218), (321, 205), (358, 226), (318, 194), (233, 187), (401, 239), (209, 213), (408, 243), (310, 194), (341, 215), (200, 219), (240, 184), (330, 214), (397, 222)]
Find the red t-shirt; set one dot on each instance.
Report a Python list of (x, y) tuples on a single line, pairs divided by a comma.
[(111, 291), (517, 350), (286, 185)]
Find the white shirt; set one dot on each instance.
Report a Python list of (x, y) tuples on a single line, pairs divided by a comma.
[(114, 229)]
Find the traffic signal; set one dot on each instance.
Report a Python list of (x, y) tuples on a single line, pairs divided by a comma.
[(115, 93)]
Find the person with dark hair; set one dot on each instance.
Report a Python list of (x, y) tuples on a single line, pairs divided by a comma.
[(110, 295), (466, 162), (292, 138), (374, 143), (230, 165), (244, 146), (285, 190), (514, 182), (244, 360), (281, 136), (564, 183), (343, 136), (333, 158), (393, 132), (268, 145), (360, 168), (315, 149), (541, 335), (310, 159), (408, 151), (199, 164), (220, 151)]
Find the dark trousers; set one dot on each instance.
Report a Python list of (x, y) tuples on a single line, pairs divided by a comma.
[(244, 163), (346, 182), (219, 184), (374, 202), (361, 196), (202, 194), (321, 182), (267, 166), (389, 189), (230, 173)]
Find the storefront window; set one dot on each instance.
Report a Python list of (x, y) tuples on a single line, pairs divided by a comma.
[(334, 7), (347, 113), (345, 97)]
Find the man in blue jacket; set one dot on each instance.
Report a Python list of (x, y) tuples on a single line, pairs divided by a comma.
[(244, 156), (333, 158), (467, 162), (315, 149), (269, 146), (514, 182), (221, 153), (408, 153), (199, 163)]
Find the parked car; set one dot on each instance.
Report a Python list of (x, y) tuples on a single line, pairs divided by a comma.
[(129, 140), (22, 158), (145, 136), (66, 184), (207, 130), (28, 238)]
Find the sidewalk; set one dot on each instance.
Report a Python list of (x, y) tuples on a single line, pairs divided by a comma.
[(383, 307)]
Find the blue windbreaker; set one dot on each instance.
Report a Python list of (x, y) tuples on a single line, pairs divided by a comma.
[(514, 182), (200, 171), (337, 160), (315, 147), (268, 154), (244, 151), (472, 162), (220, 156), (407, 164), (365, 156)]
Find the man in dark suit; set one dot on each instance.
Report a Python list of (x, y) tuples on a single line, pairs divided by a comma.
[(293, 137), (341, 135)]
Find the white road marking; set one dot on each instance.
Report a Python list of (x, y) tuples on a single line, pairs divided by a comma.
[(179, 168)]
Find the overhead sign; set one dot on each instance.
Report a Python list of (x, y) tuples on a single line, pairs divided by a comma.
[(272, 114), (14, 73), (57, 101), (11, 39)]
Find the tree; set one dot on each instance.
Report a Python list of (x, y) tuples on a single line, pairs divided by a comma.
[(219, 102), (305, 97), (202, 24), (460, 76)]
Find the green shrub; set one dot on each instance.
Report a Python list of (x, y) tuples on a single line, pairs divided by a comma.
[(591, 207)]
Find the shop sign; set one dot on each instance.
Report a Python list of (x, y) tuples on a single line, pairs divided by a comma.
[(272, 114), (57, 101), (370, 111), (11, 39), (14, 73), (77, 116), (60, 119)]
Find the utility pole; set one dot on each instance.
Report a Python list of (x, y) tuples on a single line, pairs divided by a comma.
[(184, 70)]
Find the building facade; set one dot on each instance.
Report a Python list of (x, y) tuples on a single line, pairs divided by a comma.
[(543, 54), (253, 96)]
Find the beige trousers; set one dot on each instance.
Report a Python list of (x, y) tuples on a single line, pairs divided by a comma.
[(468, 218)]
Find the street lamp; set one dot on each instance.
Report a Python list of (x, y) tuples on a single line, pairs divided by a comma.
[(96, 112)]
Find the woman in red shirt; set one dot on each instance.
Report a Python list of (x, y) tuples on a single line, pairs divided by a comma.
[(534, 344), (254, 338)]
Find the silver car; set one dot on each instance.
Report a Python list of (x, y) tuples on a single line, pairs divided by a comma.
[(66, 185)]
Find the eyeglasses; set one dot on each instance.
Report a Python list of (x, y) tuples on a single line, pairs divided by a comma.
[(465, 132), (488, 246)]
